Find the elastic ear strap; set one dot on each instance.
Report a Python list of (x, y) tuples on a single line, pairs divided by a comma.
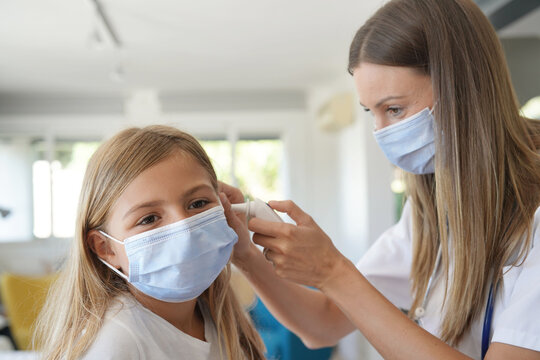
[(110, 237), (114, 269)]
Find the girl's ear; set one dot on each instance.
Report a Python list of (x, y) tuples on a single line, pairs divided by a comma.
[(100, 245)]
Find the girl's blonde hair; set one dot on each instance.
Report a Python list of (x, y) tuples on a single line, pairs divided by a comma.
[(486, 187), (78, 301)]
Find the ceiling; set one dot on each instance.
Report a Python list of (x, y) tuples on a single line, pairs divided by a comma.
[(176, 45), (527, 26), (180, 45)]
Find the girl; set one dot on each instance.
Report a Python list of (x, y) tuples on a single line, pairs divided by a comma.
[(148, 273)]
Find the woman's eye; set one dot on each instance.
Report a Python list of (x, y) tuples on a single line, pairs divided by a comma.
[(148, 220), (394, 111), (198, 204)]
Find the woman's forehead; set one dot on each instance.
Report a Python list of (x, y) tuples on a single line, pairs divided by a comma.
[(376, 82)]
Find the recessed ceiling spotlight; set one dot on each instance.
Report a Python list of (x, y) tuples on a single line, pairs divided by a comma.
[(96, 40), (117, 74), (4, 212)]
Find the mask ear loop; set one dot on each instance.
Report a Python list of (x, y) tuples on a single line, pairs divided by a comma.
[(433, 107), (121, 274)]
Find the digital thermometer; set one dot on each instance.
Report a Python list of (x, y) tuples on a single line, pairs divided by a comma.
[(257, 208)]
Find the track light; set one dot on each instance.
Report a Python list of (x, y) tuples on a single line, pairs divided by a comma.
[(4, 212)]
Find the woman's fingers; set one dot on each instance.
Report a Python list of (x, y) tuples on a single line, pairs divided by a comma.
[(268, 254), (234, 195), (302, 253), (293, 210), (268, 227), (268, 242), (238, 223), (232, 220)]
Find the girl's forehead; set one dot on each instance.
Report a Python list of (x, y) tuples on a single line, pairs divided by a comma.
[(168, 179)]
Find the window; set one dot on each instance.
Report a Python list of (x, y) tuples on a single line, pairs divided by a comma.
[(57, 184), (15, 189), (532, 108), (258, 168), (42, 178), (398, 187), (254, 165), (220, 153)]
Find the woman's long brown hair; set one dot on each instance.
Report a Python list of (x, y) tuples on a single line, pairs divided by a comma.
[(479, 204)]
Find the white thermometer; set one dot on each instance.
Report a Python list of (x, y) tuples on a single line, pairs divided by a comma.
[(257, 208)]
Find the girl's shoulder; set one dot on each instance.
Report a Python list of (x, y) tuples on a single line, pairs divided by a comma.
[(116, 339), (130, 331)]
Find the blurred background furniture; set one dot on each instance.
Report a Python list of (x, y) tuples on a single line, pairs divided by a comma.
[(282, 344), (22, 298)]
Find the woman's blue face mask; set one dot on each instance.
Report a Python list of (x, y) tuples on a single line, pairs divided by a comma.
[(410, 143)]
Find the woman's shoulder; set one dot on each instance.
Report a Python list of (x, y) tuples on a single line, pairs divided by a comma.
[(515, 264), (536, 224), (533, 253), (516, 311)]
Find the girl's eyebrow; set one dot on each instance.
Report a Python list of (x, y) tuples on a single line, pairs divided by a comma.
[(143, 205), (154, 203), (196, 188)]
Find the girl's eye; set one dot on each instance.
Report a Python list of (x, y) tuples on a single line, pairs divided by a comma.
[(148, 220), (198, 204)]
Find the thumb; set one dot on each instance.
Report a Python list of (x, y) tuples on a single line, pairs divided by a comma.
[(293, 210)]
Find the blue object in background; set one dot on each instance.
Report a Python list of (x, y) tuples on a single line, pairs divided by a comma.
[(281, 344)]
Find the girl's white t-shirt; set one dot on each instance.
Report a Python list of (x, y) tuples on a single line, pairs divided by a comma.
[(516, 314), (130, 331)]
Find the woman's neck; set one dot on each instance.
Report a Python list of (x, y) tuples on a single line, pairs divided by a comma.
[(185, 316)]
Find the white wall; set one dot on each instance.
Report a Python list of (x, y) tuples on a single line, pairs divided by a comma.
[(366, 205), (350, 178)]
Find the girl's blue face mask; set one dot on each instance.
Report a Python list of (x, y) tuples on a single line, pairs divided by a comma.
[(410, 143), (177, 262)]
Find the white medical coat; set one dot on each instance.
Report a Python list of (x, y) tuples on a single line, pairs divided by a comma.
[(516, 315)]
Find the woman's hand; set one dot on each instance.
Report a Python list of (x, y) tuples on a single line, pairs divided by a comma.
[(302, 253), (234, 195), (243, 249)]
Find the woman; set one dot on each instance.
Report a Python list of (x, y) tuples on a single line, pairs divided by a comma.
[(148, 276), (434, 77)]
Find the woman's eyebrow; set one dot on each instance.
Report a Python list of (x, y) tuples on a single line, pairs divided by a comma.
[(392, 97), (383, 100), (142, 206)]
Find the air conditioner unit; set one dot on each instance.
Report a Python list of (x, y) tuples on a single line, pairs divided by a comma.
[(337, 113)]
